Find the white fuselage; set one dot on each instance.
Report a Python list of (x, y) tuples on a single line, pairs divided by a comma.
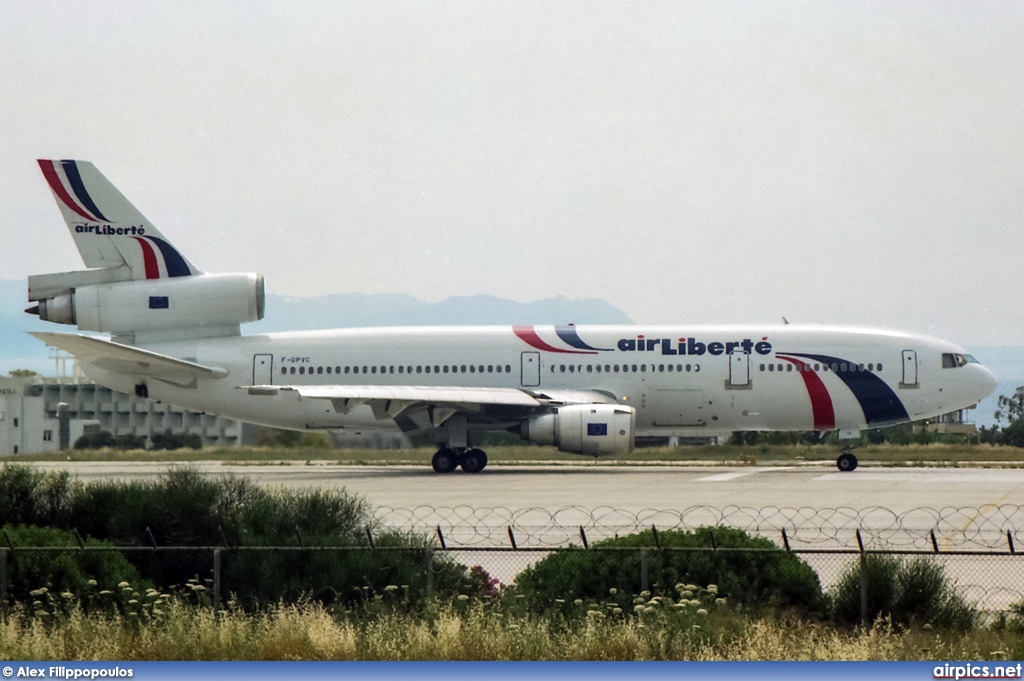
[(679, 379)]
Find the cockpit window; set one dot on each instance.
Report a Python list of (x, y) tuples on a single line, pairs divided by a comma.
[(952, 360)]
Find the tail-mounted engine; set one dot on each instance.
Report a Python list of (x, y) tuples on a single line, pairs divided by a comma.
[(590, 429), (202, 305)]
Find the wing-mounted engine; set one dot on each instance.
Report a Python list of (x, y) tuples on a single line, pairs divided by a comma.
[(590, 429), (135, 311)]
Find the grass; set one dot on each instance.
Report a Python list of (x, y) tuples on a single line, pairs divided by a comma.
[(889, 455), (473, 631)]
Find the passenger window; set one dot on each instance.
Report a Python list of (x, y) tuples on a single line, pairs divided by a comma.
[(696, 368), (302, 370), (771, 367), (445, 368), (879, 366), (616, 368), (437, 369), (401, 370), (688, 368), (789, 367), (633, 369), (293, 371), (508, 368), (284, 370)]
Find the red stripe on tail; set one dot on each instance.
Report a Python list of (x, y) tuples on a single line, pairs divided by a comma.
[(149, 258), (52, 179)]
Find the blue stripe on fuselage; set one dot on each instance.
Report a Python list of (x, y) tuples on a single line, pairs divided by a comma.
[(571, 336), (880, 404)]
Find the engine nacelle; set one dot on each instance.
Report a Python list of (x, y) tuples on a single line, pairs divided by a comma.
[(128, 307), (590, 429)]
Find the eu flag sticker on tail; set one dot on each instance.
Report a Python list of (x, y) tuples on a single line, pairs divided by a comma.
[(159, 303), (594, 429)]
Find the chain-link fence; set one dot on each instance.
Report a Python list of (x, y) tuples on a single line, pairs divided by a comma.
[(976, 547)]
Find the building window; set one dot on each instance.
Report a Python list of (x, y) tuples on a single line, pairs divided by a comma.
[(15, 421), (47, 436)]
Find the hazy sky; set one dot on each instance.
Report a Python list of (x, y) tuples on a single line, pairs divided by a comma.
[(851, 162)]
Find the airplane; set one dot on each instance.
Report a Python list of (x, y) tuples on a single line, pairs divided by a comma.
[(174, 336)]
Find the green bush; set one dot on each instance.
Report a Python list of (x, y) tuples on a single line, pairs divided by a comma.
[(907, 591), (766, 576), (187, 508), (62, 571), (32, 497), (102, 439), (172, 441)]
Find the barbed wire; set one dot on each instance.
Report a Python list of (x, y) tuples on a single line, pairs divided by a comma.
[(989, 527)]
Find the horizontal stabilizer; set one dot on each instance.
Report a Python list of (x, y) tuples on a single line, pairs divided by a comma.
[(125, 359)]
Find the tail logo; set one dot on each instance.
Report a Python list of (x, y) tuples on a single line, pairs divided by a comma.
[(66, 183), (161, 259)]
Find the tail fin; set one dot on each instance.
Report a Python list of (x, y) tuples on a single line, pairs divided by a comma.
[(108, 230)]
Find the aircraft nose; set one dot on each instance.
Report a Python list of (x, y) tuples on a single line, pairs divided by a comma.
[(989, 383)]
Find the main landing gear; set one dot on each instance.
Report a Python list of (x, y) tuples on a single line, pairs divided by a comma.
[(447, 459), (846, 462)]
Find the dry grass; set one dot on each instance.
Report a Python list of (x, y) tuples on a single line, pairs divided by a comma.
[(471, 632)]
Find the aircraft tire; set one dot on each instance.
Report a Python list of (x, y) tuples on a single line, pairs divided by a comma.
[(846, 462), (474, 460), (445, 460)]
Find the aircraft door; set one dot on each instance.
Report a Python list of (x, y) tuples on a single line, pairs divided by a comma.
[(909, 369), (530, 370), (739, 369), (262, 369)]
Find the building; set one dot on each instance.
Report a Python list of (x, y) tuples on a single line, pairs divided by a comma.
[(29, 424)]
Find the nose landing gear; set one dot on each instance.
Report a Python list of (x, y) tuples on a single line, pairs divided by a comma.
[(846, 462)]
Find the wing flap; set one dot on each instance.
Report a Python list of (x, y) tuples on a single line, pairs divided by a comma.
[(126, 359), (410, 394)]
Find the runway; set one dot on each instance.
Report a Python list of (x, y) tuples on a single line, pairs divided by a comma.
[(632, 488)]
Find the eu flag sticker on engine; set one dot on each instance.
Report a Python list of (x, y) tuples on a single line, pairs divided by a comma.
[(159, 303), (597, 429)]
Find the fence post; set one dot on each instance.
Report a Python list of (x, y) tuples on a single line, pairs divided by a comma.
[(3, 581), (863, 581), (430, 572), (216, 581), (643, 569)]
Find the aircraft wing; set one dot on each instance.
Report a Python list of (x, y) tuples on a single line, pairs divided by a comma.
[(126, 359), (437, 403)]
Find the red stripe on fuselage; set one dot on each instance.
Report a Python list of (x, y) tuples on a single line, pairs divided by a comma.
[(52, 179), (528, 334), (821, 401), (149, 258)]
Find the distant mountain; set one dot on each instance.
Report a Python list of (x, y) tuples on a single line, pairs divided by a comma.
[(18, 350), (356, 309)]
